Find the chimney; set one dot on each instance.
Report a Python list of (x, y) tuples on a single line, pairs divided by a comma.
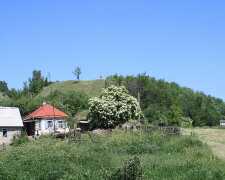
[(43, 103)]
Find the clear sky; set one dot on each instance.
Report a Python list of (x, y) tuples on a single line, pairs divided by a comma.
[(181, 41)]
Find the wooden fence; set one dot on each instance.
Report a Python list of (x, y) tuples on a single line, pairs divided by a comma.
[(168, 129)]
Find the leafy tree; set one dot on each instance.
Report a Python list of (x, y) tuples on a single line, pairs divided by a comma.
[(77, 72), (14, 94), (37, 82), (3, 86), (185, 122), (76, 101), (115, 80), (174, 115), (167, 103), (31, 88), (114, 107)]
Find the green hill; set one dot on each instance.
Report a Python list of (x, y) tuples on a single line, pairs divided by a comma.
[(3, 97), (91, 88)]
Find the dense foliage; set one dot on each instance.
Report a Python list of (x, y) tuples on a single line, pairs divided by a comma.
[(31, 88), (114, 107), (167, 103), (163, 103), (27, 100), (22, 138), (148, 155), (70, 102), (3, 86)]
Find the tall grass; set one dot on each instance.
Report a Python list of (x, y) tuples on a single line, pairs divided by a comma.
[(150, 154)]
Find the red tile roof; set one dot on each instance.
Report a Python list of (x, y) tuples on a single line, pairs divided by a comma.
[(46, 111)]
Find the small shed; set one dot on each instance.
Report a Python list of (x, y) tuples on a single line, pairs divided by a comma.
[(84, 125), (45, 120), (11, 124), (222, 123)]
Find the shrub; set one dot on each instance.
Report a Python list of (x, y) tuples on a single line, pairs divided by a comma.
[(20, 139), (114, 107), (131, 170)]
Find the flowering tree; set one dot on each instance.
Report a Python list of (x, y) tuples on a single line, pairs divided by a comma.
[(114, 107)]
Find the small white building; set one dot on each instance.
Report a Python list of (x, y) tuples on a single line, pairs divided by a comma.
[(222, 123), (10, 124), (45, 120)]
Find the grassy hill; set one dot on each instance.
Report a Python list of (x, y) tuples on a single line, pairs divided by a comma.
[(91, 88), (3, 97)]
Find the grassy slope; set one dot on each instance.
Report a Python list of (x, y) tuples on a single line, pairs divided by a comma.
[(91, 88), (162, 157), (2, 97), (214, 137)]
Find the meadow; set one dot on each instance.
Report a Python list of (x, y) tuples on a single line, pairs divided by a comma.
[(113, 156), (91, 88), (214, 137)]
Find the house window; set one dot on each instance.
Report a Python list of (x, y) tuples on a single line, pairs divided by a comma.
[(37, 125), (4, 132), (50, 124), (60, 124)]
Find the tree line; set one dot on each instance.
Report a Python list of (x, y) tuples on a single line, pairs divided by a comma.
[(162, 103), (26, 99), (165, 103)]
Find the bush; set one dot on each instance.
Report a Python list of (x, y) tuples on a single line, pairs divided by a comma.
[(131, 170), (114, 107), (20, 139)]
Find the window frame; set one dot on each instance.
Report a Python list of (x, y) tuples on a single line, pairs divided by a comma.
[(5, 131), (60, 123), (48, 123)]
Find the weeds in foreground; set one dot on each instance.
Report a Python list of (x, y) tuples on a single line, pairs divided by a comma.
[(20, 139), (120, 154)]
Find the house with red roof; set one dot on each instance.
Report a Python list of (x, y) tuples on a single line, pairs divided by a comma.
[(45, 120)]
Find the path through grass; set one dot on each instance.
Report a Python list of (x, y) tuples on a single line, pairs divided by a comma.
[(214, 137)]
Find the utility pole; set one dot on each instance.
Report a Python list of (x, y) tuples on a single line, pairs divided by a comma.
[(62, 100), (49, 77), (139, 101)]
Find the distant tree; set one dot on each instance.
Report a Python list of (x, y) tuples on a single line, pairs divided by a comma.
[(37, 82), (14, 94), (3, 86), (77, 72), (114, 107)]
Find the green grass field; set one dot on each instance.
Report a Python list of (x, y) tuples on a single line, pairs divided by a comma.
[(91, 88), (161, 156)]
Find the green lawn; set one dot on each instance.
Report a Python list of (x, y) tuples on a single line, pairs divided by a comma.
[(161, 157)]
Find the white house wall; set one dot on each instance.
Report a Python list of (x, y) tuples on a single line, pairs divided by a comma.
[(42, 127), (11, 132)]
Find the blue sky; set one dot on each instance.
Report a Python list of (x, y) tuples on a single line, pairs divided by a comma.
[(179, 41)]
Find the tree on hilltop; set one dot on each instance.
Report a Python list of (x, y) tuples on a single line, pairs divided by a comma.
[(77, 72)]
